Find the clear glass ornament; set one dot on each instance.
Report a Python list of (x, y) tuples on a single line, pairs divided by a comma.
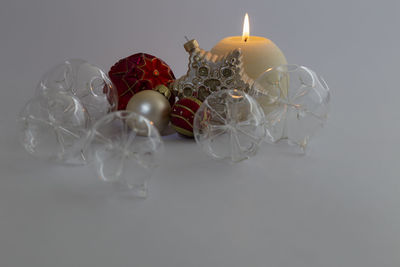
[(125, 149), (68, 100), (86, 82), (229, 125), (295, 101), (54, 127)]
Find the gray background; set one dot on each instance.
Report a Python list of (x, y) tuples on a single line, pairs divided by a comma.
[(337, 206)]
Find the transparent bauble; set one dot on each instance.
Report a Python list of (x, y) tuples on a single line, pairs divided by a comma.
[(86, 82), (125, 149), (54, 127), (295, 101), (229, 125)]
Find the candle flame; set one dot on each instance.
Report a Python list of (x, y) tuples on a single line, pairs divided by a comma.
[(246, 28)]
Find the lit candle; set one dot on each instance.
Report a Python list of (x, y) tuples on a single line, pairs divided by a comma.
[(259, 53)]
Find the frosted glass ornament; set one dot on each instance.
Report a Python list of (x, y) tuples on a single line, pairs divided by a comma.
[(296, 103), (229, 125), (125, 149), (86, 82), (54, 128)]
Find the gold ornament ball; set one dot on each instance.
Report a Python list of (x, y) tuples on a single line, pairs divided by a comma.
[(152, 105)]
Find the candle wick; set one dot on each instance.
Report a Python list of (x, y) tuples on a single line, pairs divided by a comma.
[(187, 39), (245, 39)]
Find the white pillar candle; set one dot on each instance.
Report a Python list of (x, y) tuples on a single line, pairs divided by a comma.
[(259, 53)]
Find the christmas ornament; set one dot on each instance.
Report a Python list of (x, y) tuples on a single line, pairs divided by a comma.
[(54, 127), (208, 73), (152, 105), (229, 125), (137, 73), (182, 115), (125, 155), (297, 115), (88, 83)]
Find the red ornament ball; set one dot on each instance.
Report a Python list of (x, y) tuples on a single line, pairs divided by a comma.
[(182, 115), (137, 73)]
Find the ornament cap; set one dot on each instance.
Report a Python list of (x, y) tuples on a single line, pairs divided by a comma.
[(191, 45), (162, 89)]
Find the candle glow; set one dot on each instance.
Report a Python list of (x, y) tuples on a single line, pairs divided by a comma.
[(246, 28)]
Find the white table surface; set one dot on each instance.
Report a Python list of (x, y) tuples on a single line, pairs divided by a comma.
[(339, 205)]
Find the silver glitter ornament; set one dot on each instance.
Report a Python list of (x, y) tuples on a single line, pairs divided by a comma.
[(209, 73)]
